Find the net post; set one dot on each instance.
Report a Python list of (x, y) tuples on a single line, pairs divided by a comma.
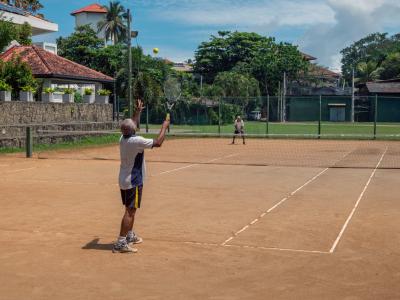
[(219, 116), (320, 116), (29, 142), (375, 115)]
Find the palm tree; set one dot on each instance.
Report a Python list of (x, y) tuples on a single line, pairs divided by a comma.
[(367, 71), (113, 24)]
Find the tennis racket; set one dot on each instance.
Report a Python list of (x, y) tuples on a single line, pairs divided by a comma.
[(172, 92)]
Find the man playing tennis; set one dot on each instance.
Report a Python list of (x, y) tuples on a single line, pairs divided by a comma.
[(239, 129), (132, 174)]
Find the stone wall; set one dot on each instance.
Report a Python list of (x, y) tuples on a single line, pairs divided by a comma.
[(18, 113), (52, 122)]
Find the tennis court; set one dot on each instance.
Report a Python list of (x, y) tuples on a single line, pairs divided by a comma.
[(274, 219)]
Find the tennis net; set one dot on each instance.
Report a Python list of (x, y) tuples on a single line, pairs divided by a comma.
[(289, 150)]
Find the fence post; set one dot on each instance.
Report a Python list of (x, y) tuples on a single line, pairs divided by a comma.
[(29, 142), (147, 118), (219, 116), (267, 118), (375, 115), (320, 116)]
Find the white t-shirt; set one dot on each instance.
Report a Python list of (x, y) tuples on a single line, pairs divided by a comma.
[(132, 170), (239, 125)]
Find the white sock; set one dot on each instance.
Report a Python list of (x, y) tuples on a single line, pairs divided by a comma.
[(121, 239), (130, 234)]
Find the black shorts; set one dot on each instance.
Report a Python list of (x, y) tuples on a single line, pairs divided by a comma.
[(133, 197), (238, 131)]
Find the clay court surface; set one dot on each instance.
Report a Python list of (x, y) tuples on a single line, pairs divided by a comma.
[(275, 219)]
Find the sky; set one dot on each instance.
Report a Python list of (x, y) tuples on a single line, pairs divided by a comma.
[(320, 28)]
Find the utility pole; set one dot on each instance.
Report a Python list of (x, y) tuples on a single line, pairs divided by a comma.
[(352, 97), (284, 98), (129, 41)]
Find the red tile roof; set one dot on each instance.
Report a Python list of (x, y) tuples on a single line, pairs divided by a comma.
[(45, 64), (92, 8)]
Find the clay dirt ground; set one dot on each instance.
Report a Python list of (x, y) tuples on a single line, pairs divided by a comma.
[(268, 220)]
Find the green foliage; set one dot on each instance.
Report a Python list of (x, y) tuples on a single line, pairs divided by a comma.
[(5, 86), (17, 74), (78, 97), (114, 23), (374, 48), (69, 91), (88, 92), (390, 67), (49, 90), (80, 46), (28, 88), (9, 32), (24, 33), (367, 71), (233, 84), (249, 53), (104, 92)]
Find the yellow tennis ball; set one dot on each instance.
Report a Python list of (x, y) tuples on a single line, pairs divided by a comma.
[(156, 50)]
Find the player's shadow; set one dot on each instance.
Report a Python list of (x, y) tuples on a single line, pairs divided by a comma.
[(95, 245)]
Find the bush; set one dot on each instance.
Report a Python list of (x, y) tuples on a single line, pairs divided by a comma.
[(4, 86), (17, 74), (77, 97), (49, 91), (104, 92), (69, 91), (88, 92), (28, 88)]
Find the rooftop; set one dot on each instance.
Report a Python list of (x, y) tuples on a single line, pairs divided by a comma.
[(20, 16), (92, 8), (45, 64), (384, 87)]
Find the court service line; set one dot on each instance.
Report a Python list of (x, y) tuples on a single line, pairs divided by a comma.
[(193, 165), (20, 170), (336, 242), (274, 207)]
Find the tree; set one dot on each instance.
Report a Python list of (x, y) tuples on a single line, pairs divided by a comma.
[(390, 67), (113, 24), (374, 47), (80, 46), (17, 74), (24, 34), (367, 71), (9, 32), (237, 85), (250, 53)]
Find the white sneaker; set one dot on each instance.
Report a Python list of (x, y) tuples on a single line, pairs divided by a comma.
[(134, 239), (123, 248)]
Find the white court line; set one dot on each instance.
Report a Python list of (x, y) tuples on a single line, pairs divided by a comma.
[(193, 165), (274, 207), (20, 170), (276, 249), (356, 205)]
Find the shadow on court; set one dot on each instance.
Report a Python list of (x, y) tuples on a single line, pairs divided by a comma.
[(95, 245)]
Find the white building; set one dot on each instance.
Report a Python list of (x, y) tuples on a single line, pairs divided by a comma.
[(90, 15), (20, 16)]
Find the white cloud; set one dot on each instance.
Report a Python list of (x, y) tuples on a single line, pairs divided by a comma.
[(353, 20), (329, 25)]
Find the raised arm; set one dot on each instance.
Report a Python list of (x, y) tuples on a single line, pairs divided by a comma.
[(138, 111), (161, 136)]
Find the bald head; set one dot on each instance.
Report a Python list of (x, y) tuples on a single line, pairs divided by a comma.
[(128, 127)]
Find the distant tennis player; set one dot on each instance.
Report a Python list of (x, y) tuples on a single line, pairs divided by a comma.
[(132, 174), (239, 129)]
